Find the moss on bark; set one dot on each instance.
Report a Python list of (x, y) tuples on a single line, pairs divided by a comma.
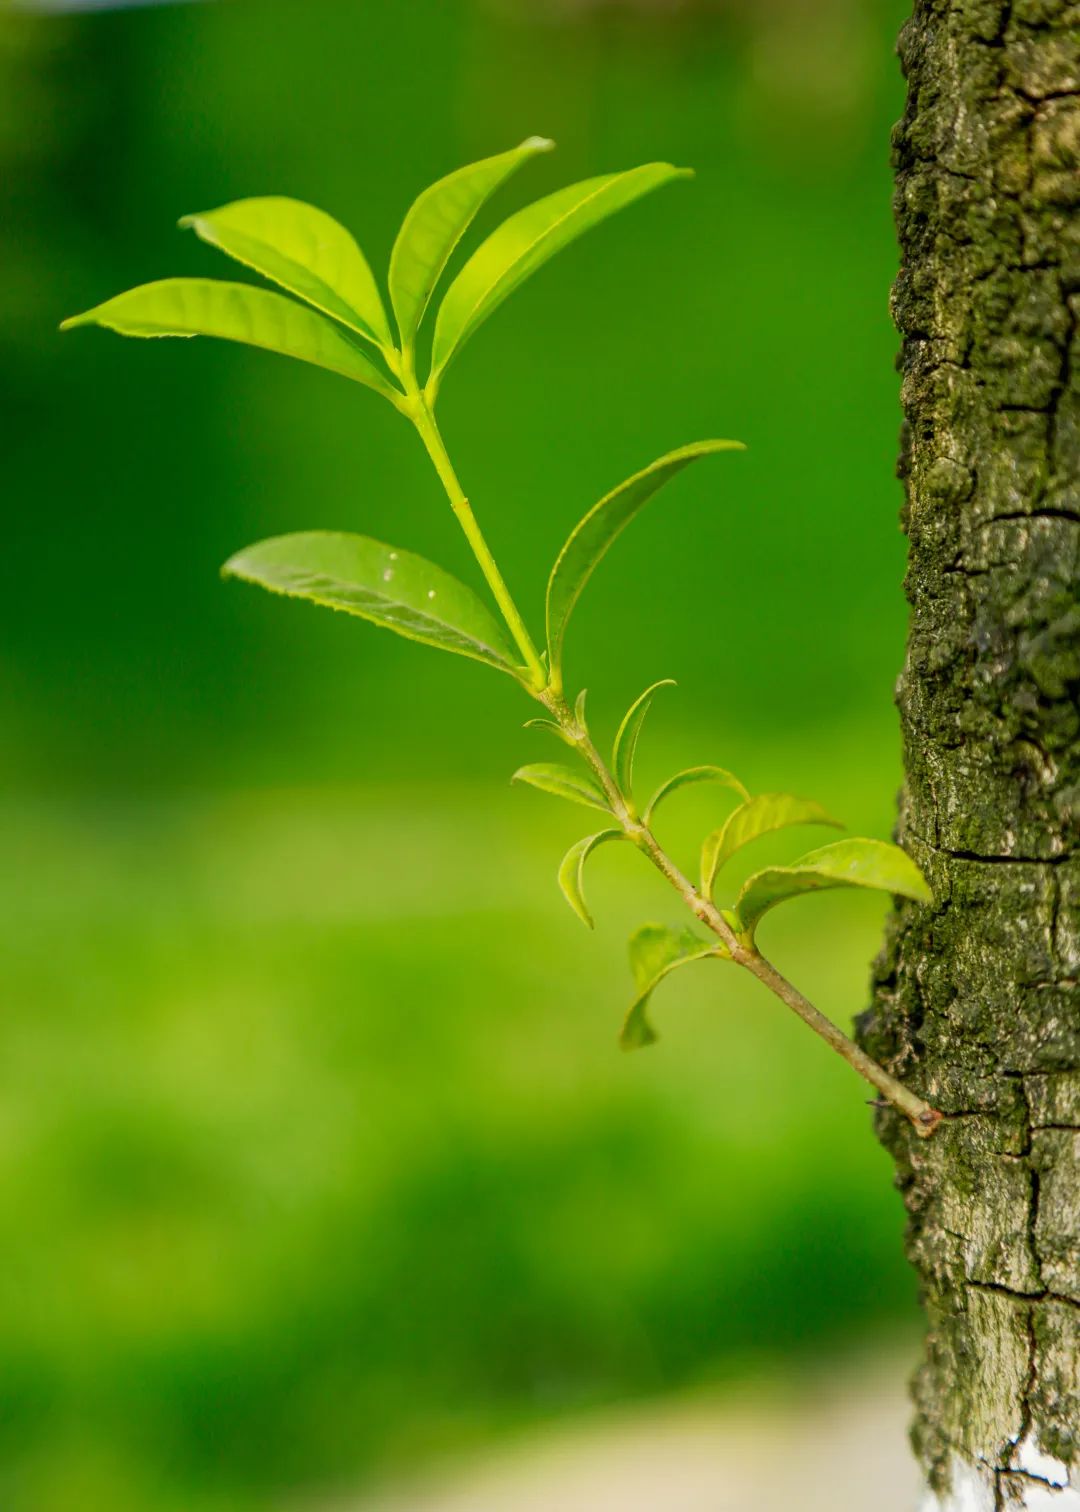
[(975, 1000)]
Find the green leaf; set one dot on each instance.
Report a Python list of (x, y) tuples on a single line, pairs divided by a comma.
[(393, 588), (757, 816), (720, 775), (655, 952), (305, 251), (627, 737), (551, 726), (579, 709), (236, 312), (572, 870), (436, 223), (846, 863), (593, 534), (564, 782), (524, 243)]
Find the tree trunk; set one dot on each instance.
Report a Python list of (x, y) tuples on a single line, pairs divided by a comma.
[(976, 1001)]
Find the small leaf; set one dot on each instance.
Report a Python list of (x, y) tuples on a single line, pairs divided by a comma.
[(564, 782), (392, 588), (846, 863), (720, 775), (236, 312), (551, 727), (579, 708), (572, 870), (524, 243), (757, 816), (627, 738), (655, 951), (305, 251), (436, 223), (592, 535)]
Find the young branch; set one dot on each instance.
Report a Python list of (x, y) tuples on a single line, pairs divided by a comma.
[(740, 949)]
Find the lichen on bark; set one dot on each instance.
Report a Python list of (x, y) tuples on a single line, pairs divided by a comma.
[(975, 1000)]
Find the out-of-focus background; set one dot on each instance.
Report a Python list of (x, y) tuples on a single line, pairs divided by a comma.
[(319, 1166)]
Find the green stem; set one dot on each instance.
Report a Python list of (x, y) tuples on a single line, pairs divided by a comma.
[(424, 421)]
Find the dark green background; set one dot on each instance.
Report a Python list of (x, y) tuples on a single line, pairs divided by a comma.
[(317, 1154)]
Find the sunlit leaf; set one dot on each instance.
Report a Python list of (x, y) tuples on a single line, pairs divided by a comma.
[(236, 312), (626, 739), (593, 534), (435, 224), (757, 816), (655, 952), (572, 870), (720, 775), (846, 863), (305, 251), (563, 782), (390, 587), (525, 242)]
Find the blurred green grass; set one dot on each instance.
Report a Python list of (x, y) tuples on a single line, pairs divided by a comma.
[(319, 1155)]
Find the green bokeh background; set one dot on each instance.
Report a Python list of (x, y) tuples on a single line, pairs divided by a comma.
[(317, 1155)]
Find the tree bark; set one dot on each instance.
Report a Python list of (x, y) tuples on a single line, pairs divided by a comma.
[(975, 998)]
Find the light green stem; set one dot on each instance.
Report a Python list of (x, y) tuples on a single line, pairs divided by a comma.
[(424, 421)]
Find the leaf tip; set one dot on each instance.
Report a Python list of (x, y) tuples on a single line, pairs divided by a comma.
[(72, 321), (537, 144)]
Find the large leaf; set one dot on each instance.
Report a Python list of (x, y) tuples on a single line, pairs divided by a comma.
[(436, 223), (757, 816), (655, 952), (236, 312), (392, 588), (525, 242), (572, 870), (846, 863), (305, 251), (626, 739), (720, 775), (563, 782), (592, 536)]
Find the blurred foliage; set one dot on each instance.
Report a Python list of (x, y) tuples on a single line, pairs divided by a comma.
[(317, 1152)]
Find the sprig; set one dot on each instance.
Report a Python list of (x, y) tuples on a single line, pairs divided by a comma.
[(332, 315)]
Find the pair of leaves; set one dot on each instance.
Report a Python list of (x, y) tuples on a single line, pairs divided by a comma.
[(656, 951), (310, 255)]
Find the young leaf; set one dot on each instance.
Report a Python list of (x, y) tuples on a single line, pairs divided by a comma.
[(720, 775), (572, 870), (551, 727), (563, 782), (626, 740), (236, 312), (593, 534), (305, 251), (845, 863), (757, 816), (655, 952), (436, 223), (524, 243), (579, 708), (393, 588)]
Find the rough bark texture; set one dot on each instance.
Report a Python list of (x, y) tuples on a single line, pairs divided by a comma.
[(976, 1001)]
